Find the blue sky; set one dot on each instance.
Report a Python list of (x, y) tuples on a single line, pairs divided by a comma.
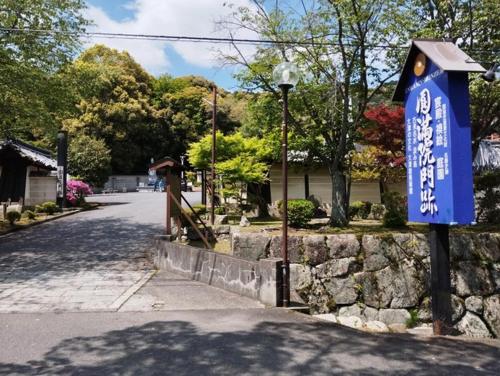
[(167, 17)]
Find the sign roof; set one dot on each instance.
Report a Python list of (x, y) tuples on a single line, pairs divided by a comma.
[(446, 55)]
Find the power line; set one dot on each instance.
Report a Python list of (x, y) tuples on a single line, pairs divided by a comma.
[(217, 40), (198, 39)]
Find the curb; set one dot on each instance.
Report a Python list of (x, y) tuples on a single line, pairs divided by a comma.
[(24, 227)]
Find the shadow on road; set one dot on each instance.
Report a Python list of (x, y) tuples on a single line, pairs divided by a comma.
[(180, 348), (63, 247)]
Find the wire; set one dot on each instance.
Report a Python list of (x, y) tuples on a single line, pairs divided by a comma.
[(184, 38), (197, 39)]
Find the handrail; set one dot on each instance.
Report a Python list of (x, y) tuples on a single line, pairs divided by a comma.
[(196, 214), (188, 217)]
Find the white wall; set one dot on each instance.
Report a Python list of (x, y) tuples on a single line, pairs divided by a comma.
[(41, 189), (321, 187), (130, 182)]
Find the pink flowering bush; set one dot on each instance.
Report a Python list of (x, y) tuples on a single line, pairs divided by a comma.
[(76, 190)]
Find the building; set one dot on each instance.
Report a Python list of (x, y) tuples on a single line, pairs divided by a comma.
[(27, 173)]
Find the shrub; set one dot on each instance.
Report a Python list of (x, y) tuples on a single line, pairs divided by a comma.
[(13, 216), (200, 209), (396, 214), (300, 212), (49, 207), (377, 211), (29, 214), (365, 209), (76, 190), (221, 210), (354, 209)]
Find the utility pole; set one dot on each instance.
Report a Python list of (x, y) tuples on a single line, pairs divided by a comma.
[(214, 129)]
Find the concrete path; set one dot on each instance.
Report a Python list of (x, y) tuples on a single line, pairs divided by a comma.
[(93, 261)]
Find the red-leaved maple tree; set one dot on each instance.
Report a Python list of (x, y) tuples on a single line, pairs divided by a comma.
[(386, 131)]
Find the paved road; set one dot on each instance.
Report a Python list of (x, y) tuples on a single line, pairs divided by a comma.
[(67, 272), (229, 342), (91, 261)]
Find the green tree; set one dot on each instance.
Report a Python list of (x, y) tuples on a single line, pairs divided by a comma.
[(34, 94), (240, 161), (89, 159), (115, 106), (346, 70), (473, 26)]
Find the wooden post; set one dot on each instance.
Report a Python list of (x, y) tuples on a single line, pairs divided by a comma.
[(440, 278), (168, 211)]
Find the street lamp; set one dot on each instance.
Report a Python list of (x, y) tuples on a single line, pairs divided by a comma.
[(286, 76)]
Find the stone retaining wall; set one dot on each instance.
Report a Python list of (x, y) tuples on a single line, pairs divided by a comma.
[(386, 278), (255, 279)]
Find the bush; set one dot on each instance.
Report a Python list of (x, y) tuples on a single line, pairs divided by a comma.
[(396, 213), (221, 210), (377, 211), (29, 214), (354, 209), (300, 212), (76, 190), (487, 184), (200, 209), (49, 208), (360, 209), (13, 216)]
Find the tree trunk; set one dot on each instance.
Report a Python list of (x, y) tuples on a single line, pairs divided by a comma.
[(339, 218)]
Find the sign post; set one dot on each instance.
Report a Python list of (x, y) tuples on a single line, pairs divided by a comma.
[(435, 89), (62, 164)]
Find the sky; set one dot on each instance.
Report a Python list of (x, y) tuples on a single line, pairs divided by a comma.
[(168, 17)]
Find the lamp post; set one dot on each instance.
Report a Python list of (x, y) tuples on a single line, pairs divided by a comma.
[(286, 76)]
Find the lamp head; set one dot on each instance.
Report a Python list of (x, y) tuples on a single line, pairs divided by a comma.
[(286, 74), (490, 75)]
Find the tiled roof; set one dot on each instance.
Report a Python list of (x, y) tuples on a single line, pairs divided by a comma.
[(36, 155)]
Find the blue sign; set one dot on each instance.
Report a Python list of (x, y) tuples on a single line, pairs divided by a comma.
[(438, 145)]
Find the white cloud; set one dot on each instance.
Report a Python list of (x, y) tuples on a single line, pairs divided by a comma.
[(168, 17)]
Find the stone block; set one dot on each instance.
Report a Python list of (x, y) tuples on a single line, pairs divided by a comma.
[(374, 326), (474, 304), (471, 325), (319, 298), (270, 290), (342, 290), (244, 222), (342, 245), (393, 316), (487, 246), (359, 310), (367, 284), (461, 247), (300, 282), (380, 252), (492, 313), (397, 328), (295, 248), (337, 268), (220, 219), (350, 321), (412, 245), (495, 275), (222, 229), (250, 246), (457, 308), (471, 278), (315, 249), (401, 286)]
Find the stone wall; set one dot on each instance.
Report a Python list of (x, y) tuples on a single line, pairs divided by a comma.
[(255, 279), (386, 278)]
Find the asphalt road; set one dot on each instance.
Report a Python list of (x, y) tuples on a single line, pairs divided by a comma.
[(225, 342), (94, 311)]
